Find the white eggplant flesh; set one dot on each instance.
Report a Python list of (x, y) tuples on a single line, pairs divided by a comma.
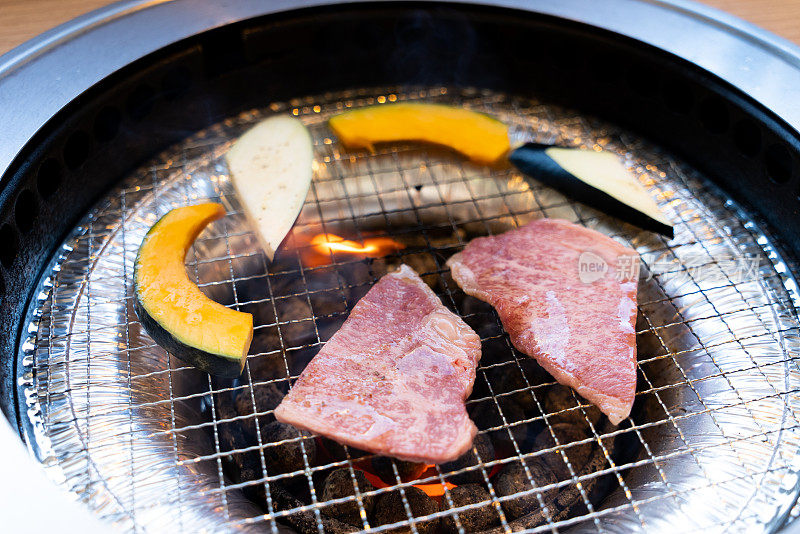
[(271, 170), (598, 179)]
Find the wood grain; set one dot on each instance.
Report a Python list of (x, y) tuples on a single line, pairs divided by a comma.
[(781, 17), (22, 19)]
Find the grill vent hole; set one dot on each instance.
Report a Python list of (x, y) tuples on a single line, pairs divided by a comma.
[(106, 124), (778, 163), (49, 178), (747, 137), (714, 115), (9, 245), (25, 211), (140, 102), (76, 150)]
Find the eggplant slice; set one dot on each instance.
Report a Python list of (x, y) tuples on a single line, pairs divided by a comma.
[(597, 179)]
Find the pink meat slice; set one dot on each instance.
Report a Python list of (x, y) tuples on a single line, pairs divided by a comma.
[(394, 378), (566, 295)]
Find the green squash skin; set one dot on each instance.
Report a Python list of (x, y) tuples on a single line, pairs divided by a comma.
[(213, 364)]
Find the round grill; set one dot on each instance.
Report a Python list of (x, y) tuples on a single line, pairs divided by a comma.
[(145, 440)]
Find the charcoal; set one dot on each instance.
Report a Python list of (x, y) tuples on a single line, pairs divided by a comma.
[(267, 366), (473, 519), (337, 452), (232, 435), (523, 381), (390, 509), (338, 484), (487, 416), (578, 455), (224, 404), (248, 467), (286, 457), (305, 521), (512, 479), (483, 443), (382, 466), (525, 400), (267, 397), (557, 398), (535, 375)]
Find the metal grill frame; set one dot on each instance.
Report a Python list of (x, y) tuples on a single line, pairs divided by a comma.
[(465, 177)]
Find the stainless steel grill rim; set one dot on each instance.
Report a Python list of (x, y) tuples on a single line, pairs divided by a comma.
[(61, 383)]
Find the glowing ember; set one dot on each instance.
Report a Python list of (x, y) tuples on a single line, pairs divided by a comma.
[(322, 245), (433, 490), (436, 489)]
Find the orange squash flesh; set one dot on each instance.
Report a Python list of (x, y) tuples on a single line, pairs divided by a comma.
[(174, 311), (481, 138)]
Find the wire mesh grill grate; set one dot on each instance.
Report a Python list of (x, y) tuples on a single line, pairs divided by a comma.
[(141, 436)]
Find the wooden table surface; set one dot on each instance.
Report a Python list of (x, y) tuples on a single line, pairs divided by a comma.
[(22, 19)]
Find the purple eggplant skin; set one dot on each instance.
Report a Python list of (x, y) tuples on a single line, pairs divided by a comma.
[(532, 161)]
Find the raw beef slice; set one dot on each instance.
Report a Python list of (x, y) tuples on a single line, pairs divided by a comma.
[(566, 295), (394, 378)]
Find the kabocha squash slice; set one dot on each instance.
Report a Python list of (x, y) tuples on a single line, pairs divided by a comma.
[(173, 310), (481, 138)]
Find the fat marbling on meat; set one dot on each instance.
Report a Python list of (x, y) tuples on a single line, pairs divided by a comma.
[(566, 295), (394, 378)]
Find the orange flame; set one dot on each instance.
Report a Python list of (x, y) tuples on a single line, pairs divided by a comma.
[(324, 244)]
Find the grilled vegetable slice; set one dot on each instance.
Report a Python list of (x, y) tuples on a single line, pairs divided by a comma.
[(176, 314), (270, 168), (597, 179), (481, 138)]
